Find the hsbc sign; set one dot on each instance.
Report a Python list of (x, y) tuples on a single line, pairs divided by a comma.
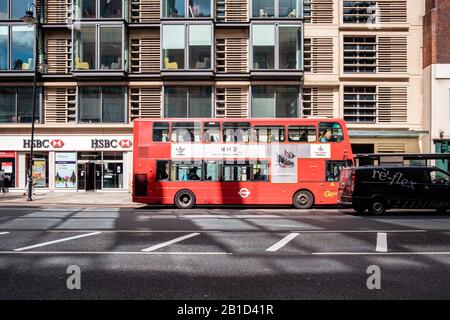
[(67, 143)]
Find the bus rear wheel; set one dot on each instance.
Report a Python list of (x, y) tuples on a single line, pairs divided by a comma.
[(303, 199), (185, 199)]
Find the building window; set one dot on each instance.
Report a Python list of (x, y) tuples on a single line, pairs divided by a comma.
[(17, 48), (360, 54), (188, 102), (359, 11), (99, 9), (13, 9), (101, 104), (276, 47), (16, 105), (186, 8), (196, 37), (275, 101), (360, 104), (98, 47), (276, 8)]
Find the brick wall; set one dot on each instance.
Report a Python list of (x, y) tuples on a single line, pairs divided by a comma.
[(436, 26)]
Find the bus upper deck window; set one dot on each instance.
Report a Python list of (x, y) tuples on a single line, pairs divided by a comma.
[(211, 132), (302, 134), (330, 132), (161, 132), (186, 132), (269, 134), (236, 132)]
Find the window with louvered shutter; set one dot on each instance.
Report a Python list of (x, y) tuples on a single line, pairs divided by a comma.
[(392, 54), (231, 55), (318, 11), (360, 54), (232, 102), (392, 11), (318, 55), (317, 102), (145, 52), (145, 103), (145, 11), (232, 10), (392, 104), (60, 105), (360, 104), (57, 11), (391, 148)]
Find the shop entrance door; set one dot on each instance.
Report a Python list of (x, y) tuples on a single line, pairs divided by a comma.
[(89, 176)]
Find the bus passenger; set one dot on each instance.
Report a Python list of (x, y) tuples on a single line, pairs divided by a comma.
[(193, 174)]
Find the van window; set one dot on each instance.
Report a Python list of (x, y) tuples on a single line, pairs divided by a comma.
[(330, 132), (333, 169), (439, 177), (302, 134), (186, 132), (161, 132)]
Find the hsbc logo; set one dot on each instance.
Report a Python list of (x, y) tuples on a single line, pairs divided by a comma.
[(43, 143), (111, 143)]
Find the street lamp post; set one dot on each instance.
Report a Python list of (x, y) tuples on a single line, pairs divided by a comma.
[(31, 20)]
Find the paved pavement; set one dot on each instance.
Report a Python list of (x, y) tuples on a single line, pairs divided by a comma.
[(47, 198), (212, 253)]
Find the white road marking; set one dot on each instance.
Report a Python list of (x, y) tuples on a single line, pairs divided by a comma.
[(280, 244), (380, 253), (168, 243), (57, 241), (381, 242), (3, 233), (112, 253)]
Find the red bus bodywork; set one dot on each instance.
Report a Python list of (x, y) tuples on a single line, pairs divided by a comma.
[(310, 169)]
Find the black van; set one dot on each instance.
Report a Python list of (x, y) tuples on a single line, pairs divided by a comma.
[(378, 188)]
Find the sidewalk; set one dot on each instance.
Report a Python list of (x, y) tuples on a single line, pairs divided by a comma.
[(106, 199)]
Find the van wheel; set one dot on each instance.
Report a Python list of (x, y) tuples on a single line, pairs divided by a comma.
[(303, 199), (360, 209), (185, 199), (377, 207)]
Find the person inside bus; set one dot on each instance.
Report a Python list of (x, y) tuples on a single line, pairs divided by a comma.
[(327, 136), (165, 135), (163, 171), (257, 176), (193, 174)]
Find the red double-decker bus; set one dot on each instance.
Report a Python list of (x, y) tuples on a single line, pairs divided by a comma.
[(239, 161)]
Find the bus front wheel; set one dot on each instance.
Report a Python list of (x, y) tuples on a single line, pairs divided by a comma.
[(185, 199), (303, 199)]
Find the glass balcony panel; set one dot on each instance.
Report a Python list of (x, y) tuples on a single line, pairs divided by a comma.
[(200, 102), (18, 8), (7, 105), (263, 8), (4, 9), (111, 48), (113, 104), (173, 47), (89, 102), (175, 102), (88, 9), (85, 56), (289, 48), (288, 8), (22, 50), (200, 46)]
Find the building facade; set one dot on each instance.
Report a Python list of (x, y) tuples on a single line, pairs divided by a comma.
[(108, 62), (436, 77)]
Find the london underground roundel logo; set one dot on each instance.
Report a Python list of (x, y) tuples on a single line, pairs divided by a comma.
[(244, 193)]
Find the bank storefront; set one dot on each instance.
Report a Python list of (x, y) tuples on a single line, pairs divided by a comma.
[(69, 162)]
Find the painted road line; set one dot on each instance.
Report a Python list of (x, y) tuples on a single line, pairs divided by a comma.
[(168, 243), (112, 253), (57, 241), (280, 244), (1, 233), (381, 242), (445, 253)]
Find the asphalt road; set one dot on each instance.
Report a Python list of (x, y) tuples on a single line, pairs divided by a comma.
[(231, 253)]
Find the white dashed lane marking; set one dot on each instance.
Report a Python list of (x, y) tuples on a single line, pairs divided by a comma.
[(2, 233), (168, 243), (57, 241), (280, 244), (381, 242)]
